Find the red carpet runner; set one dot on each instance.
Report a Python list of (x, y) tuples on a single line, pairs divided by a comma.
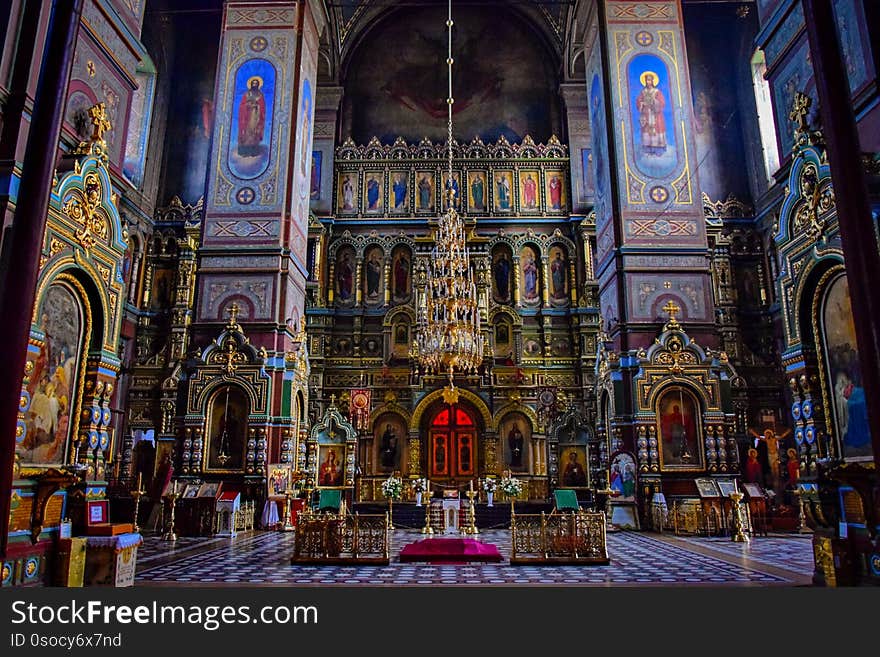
[(450, 551)]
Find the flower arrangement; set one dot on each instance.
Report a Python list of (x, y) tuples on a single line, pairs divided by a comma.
[(418, 485), (489, 485), (511, 487), (392, 487)]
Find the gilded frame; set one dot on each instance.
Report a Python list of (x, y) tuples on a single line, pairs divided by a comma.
[(820, 296), (326, 448), (68, 452), (699, 466)]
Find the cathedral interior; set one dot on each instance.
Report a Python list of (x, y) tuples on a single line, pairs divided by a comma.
[(294, 289)]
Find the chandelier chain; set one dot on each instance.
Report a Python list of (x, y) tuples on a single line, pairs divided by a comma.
[(449, 337)]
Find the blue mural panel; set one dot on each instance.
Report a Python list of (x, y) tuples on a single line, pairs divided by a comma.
[(600, 147), (718, 107), (851, 31), (796, 75), (587, 175), (653, 126), (250, 142), (191, 104)]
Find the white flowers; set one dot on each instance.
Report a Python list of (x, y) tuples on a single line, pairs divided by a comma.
[(418, 485), (489, 485), (392, 487), (511, 487)]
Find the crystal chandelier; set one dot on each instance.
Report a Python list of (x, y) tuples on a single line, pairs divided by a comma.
[(448, 337)]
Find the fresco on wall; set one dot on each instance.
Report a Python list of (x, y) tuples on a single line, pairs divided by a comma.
[(138, 128), (600, 152), (853, 40), (651, 112), (588, 184), (795, 75), (718, 131), (505, 81), (845, 377), (251, 130), (304, 153), (53, 383), (191, 103)]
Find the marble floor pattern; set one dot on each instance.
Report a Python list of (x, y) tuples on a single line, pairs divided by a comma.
[(637, 559)]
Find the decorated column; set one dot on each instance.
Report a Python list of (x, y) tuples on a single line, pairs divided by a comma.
[(255, 231), (652, 250), (649, 216)]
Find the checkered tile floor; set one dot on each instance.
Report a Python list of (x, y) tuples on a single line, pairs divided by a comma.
[(638, 559)]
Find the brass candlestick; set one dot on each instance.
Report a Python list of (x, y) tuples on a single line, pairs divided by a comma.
[(738, 535), (136, 494), (390, 513), (471, 527), (286, 525), (802, 527), (427, 529), (169, 534)]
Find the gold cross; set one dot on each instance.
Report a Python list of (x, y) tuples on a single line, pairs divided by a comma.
[(800, 111), (671, 308), (100, 122), (333, 400), (233, 311)]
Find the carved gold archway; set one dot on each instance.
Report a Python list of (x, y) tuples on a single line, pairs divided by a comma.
[(466, 395)]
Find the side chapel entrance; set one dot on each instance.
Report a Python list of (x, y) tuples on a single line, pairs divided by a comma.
[(452, 444)]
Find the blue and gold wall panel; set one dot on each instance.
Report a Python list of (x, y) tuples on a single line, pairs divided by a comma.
[(260, 167), (252, 125), (651, 216)]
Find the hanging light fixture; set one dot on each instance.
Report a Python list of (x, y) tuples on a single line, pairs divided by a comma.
[(448, 338)]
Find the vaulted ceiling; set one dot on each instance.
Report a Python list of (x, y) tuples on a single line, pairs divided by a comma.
[(350, 20)]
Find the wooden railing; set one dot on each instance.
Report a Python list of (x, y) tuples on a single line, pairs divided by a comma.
[(558, 537), (341, 538)]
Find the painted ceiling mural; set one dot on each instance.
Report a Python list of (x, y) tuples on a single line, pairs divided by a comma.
[(346, 13), (505, 84)]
